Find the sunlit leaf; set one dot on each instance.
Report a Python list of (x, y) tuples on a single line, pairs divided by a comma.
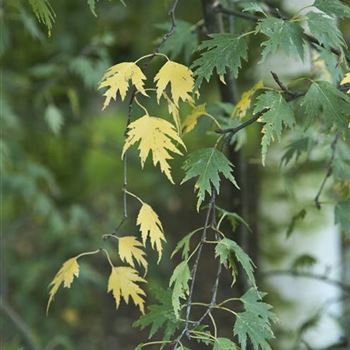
[(123, 283), (154, 135), (179, 77), (65, 276), (150, 226), (117, 79)]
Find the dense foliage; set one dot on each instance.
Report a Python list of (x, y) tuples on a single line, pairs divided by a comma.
[(166, 102)]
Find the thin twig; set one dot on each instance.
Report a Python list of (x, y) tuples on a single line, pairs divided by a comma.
[(172, 29), (211, 207), (328, 173), (256, 116), (250, 121), (283, 87), (165, 37)]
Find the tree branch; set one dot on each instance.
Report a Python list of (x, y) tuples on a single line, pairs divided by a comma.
[(165, 37), (252, 18)]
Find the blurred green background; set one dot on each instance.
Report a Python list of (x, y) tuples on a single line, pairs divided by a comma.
[(62, 177)]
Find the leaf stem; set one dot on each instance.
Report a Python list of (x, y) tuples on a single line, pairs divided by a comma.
[(88, 253), (108, 258), (134, 196), (152, 55), (141, 106)]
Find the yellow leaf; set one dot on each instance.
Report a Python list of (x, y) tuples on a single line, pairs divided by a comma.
[(174, 111), (65, 275), (129, 251), (179, 77), (151, 227), (191, 120), (117, 78), (122, 283), (346, 80), (244, 103), (156, 135)]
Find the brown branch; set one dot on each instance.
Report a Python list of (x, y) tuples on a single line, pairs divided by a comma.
[(172, 29), (293, 95), (328, 173)]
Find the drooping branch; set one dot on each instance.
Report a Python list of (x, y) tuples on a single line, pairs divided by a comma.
[(209, 214), (252, 18), (146, 62), (292, 96)]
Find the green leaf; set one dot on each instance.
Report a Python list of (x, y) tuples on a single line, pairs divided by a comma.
[(303, 261), (332, 63), (324, 97), (342, 215), (220, 52), (207, 164), (224, 344), (184, 40), (333, 7), (179, 280), (43, 12), (282, 34), (295, 149), (227, 250), (253, 7), (325, 30), (297, 217), (184, 245), (160, 315), (255, 322), (54, 118), (233, 218), (341, 167), (279, 115)]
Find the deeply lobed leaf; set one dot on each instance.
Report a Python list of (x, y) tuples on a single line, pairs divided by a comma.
[(117, 79), (255, 322), (282, 34), (65, 276), (129, 250), (206, 165), (151, 227), (279, 115), (123, 283), (154, 135), (179, 280), (220, 52)]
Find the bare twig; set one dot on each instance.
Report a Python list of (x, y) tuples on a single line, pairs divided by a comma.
[(250, 121), (210, 212), (328, 173), (172, 29)]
